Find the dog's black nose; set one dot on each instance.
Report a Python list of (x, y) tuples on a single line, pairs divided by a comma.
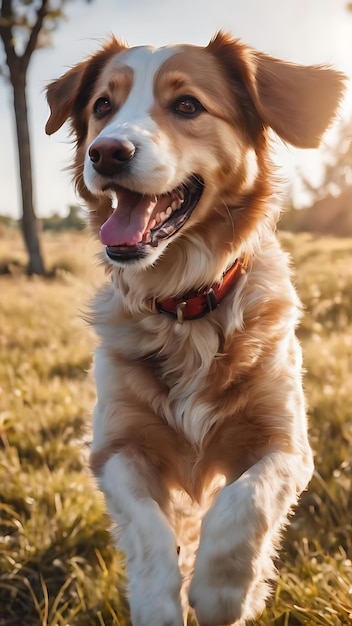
[(108, 154)]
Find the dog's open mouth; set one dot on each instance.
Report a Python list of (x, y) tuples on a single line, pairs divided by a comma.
[(140, 220)]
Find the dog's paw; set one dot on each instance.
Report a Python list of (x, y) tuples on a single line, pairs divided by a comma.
[(216, 604), (155, 600), (162, 611)]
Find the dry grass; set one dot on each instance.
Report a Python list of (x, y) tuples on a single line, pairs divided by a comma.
[(57, 566)]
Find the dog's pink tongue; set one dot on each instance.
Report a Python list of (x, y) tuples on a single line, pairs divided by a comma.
[(128, 222)]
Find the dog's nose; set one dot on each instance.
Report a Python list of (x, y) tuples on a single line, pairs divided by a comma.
[(108, 154)]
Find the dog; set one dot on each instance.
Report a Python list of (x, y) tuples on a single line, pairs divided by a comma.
[(200, 440)]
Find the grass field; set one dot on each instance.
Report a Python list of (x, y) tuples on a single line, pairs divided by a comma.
[(57, 565)]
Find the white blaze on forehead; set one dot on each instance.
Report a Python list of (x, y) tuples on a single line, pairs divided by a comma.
[(155, 167), (145, 63)]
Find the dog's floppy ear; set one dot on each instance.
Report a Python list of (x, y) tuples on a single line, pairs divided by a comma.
[(298, 102), (71, 92), (61, 95)]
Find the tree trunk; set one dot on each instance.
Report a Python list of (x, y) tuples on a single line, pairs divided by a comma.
[(29, 221)]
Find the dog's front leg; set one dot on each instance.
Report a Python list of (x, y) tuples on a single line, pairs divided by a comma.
[(238, 537), (146, 539)]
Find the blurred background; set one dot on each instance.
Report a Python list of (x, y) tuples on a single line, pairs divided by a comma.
[(57, 563), (40, 40)]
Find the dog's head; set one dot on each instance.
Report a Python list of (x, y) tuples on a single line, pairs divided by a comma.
[(173, 138)]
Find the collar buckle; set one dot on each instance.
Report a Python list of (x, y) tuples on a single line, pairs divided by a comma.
[(179, 311), (211, 301)]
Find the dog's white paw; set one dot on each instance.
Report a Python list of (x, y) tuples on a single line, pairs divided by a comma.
[(215, 603), (225, 590), (162, 611), (155, 600)]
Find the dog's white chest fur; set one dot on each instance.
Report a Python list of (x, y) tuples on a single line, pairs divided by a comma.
[(177, 356), (186, 372)]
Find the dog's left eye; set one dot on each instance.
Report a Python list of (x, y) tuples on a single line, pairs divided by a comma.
[(188, 106), (102, 107)]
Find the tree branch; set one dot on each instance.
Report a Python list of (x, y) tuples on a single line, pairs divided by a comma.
[(6, 23), (32, 41)]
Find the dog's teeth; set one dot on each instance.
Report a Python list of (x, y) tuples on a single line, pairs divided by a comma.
[(114, 200), (162, 216), (147, 238), (169, 210), (175, 204), (157, 218), (151, 224)]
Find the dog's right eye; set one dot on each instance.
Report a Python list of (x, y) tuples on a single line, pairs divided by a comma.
[(102, 107), (187, 106)]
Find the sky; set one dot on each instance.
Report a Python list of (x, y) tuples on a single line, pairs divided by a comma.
[(300, 31)]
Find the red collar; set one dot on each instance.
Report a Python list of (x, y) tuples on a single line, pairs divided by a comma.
[(196, 304)]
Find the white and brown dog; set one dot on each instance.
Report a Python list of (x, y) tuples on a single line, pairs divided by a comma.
[(200, 406)]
